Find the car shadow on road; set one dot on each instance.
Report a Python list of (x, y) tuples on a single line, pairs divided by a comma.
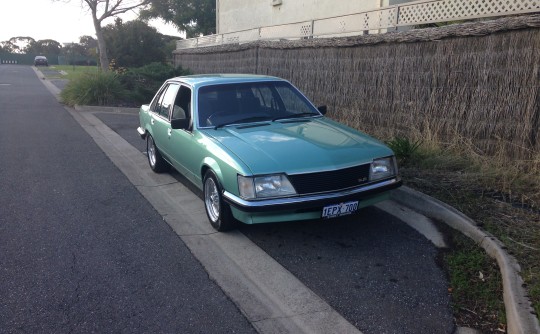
[(375, 270)]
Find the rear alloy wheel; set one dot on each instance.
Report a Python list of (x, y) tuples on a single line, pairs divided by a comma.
[(156, 161), (218, 212)]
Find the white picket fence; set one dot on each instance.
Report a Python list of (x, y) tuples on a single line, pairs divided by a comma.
[(375, 21)]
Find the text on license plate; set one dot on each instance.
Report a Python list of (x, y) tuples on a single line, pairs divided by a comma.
[(337, 210)]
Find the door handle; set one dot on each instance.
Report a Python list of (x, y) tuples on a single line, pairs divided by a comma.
[(169, 132), (152, 121)]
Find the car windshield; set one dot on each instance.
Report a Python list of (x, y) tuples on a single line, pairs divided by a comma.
[(240, 103)]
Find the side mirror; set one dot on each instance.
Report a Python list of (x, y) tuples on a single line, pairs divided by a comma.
[(180, 123), (322, 109)]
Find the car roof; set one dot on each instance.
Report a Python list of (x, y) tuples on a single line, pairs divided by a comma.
[(216, 79)]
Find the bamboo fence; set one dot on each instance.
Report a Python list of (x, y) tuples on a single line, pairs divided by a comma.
[(475, 84)]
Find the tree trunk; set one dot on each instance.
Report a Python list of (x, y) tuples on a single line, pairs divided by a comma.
[(102, 45)]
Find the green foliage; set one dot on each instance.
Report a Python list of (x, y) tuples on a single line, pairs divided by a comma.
[(88, 44), (134, 87), (535, 294), (195, 17), (16, 45), (404, 148), (44, 47), (73, 72), (142, 83), (134, 43), (51, 48), (101, 88), (475, 279), (86, 47)]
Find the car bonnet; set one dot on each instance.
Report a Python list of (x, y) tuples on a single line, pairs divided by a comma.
[(299, 146)]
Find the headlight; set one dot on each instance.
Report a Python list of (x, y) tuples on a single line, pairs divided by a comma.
[(265, 186), (382, 168)]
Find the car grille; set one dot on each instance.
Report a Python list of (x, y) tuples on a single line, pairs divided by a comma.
[(330, 181)]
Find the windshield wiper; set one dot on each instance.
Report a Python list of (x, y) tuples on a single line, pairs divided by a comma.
[(243, 120), (299, 115)]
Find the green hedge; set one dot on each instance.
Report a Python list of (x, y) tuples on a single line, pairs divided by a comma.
[(133, 87), (101, 89), (143, 82)]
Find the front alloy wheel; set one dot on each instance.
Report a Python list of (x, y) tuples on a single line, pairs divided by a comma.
[(218, 212)]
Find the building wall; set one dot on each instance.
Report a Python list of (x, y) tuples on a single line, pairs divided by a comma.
[(237, 15), (472, 84)]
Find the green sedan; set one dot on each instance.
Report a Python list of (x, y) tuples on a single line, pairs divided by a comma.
[(261, 151)]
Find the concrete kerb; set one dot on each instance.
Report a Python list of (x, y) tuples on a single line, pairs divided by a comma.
[(124, 110), (519, 313)]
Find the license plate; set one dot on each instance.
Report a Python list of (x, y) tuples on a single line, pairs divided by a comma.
[(337, 210)]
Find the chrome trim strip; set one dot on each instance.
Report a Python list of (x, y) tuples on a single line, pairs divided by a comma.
[(303, 199)]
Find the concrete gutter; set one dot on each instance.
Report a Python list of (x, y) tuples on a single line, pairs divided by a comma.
[(519, 313), (120, 110)]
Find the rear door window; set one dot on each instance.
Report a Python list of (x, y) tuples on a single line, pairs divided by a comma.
[(167, 100)]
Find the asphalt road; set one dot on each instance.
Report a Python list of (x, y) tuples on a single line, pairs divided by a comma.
[(85, 252), (80, 249), (372, 268)]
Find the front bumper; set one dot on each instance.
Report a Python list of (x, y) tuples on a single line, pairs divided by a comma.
[(312, 201)]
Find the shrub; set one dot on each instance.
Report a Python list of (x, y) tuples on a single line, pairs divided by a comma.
[(404, 148), (143, 82), (99, 88)]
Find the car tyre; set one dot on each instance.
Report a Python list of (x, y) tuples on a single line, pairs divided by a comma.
[(218, 212), (155, 160)]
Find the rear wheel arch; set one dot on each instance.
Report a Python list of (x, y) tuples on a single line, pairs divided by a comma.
[(155, 160)]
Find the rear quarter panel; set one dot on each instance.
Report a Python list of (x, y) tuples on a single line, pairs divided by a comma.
[(144, 117)]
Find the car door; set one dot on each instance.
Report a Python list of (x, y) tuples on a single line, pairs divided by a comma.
[(185, 151), (160, 119)]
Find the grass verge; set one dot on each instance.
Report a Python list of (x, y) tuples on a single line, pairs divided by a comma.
[(71, 72), (503, 199), (475, 285)]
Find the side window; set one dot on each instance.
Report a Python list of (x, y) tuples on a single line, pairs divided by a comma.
[(182, 104), (154, 107), (167, 101)]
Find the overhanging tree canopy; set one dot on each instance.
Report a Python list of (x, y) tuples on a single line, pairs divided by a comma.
[(195, 17)]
